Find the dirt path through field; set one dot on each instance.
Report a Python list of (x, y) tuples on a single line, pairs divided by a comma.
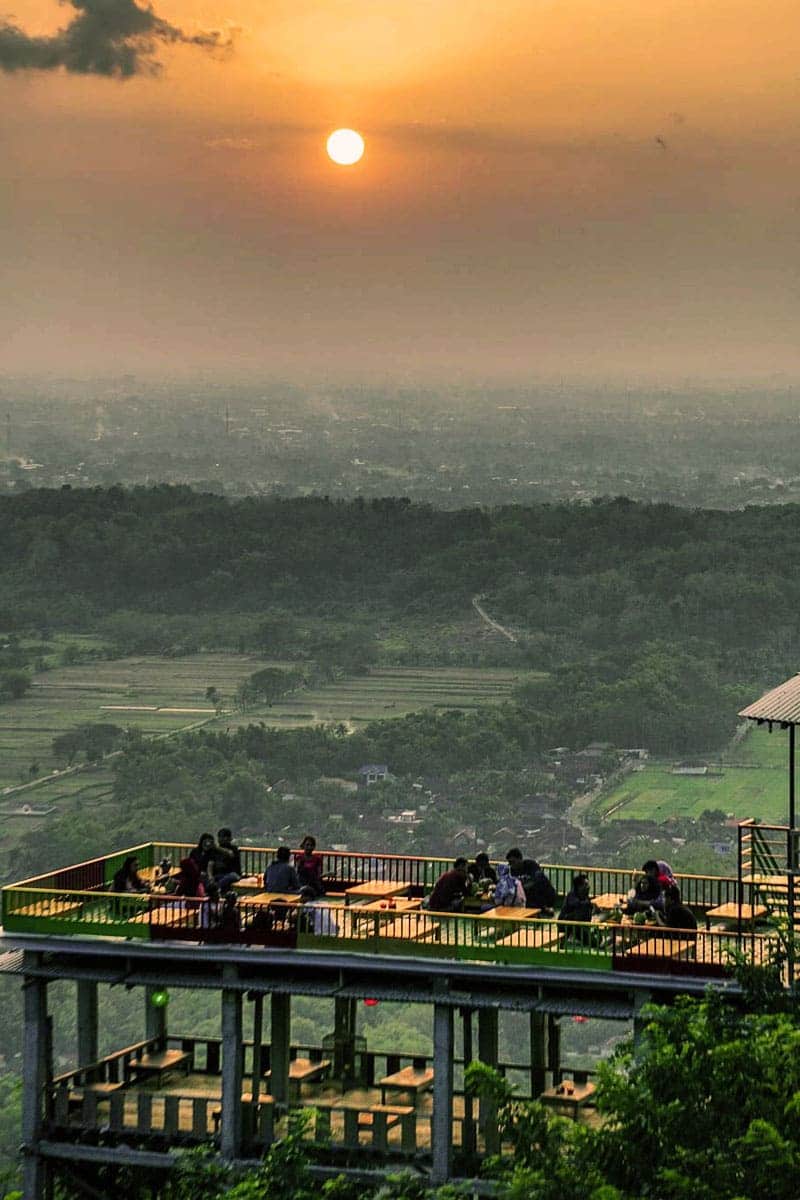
[(482, 613)]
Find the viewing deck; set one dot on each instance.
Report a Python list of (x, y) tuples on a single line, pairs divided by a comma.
[(373, 907)]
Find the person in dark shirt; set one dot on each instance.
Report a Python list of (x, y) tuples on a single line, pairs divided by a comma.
[(189, 881), (645, 894), (482, 871), (451, 888), (203, 852), (539, 891), (127, 878), (577, 904), (225, 863), (309, 866), (280, 875), (676, 914)]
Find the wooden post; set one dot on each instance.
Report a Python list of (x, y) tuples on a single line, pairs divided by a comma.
[(344, 1039), (554, 1049), (281, 1025), (488, 1052), (34, 1080), (442, 1120), (232, 1055), (87, 1022)]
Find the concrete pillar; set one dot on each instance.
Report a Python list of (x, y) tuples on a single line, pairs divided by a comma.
[(232, 1062), (34, 1079), (87, 1022), (488, 1052), (155, 1019), (280, 1040), (442, 1120), (344, 1039)]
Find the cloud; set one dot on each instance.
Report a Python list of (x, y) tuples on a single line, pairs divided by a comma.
[(106, 37)]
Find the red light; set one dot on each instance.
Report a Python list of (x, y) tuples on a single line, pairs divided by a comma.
[(580, 1020), (370, 1001)]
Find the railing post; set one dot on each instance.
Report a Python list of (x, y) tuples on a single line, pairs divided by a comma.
[(442, 1120), (468, 1140), (232, 1053), (539, 1053), (87, 1022), (34, 1078)]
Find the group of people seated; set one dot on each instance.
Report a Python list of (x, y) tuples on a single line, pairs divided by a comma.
[(519, 882)]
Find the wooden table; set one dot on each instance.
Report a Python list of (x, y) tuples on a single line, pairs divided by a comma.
[(303, 1070), (274, 898), (375, 889), (401, 905), (150, 874), (172, 913), (160, 1063), (409, 1079), (571, 1096), (608, 901), (729, 913), (249, 883), (665, 947), (504, 912), (414, 927)]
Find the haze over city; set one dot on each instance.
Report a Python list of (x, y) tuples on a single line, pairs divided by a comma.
[(573, 189)]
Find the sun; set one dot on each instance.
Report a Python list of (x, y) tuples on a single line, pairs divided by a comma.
[(345, 147)]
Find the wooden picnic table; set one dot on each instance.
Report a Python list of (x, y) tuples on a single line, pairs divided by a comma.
[(376, 889), (409, 1079), (303, 1070), (568, 1095), (249, 883), (401, 904), (608, 901), (412, 927), (730, 913), (504, 912), (274, 898), (169, 912), (151, 874), (160, 1063)]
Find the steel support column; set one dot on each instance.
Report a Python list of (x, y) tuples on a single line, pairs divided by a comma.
[(155, 1018), (539, 1053), (344, 1039), (442, 1120), (34, 1080), (87, 1022), (281, 1026), (232, 1056), (258, 1037), (468, 1140)]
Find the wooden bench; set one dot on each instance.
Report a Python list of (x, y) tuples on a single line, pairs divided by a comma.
[(663, 947), (171, 914), (160, 1063), (409, 1079), (303, 1070), (377, 1118), (48, 908), (531, 939), (570, 1096)]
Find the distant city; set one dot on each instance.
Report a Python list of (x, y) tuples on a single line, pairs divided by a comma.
[(450, 447)]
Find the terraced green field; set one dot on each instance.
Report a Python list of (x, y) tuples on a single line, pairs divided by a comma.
[(752, 784)]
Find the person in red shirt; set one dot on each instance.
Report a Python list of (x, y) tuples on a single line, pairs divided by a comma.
[(308, 865), (451, 888)]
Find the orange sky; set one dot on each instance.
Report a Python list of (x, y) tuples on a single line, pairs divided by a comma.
[(514, 213)]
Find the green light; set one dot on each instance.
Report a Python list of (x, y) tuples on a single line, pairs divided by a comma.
[(160, 999)]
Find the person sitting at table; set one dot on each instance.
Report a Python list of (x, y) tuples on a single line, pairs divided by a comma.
[(646, 892), (280, 875), (577, 906), (225, 862), (451, 888), (482, 872), (202, 853), (211, 911), (309, 866), (230, 918), (676, 915), (539, 891), (509, 892), (128, 879), (189, 881), (317, 915)]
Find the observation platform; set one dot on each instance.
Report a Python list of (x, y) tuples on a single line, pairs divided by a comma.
[(135, 1106)]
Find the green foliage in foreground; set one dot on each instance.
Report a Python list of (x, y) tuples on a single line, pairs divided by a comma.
[(707, 1107)]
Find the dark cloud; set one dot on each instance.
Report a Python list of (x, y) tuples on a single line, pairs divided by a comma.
[(106, 37)]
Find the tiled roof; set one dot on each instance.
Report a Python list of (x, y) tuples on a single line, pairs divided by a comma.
[(781, 705)]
